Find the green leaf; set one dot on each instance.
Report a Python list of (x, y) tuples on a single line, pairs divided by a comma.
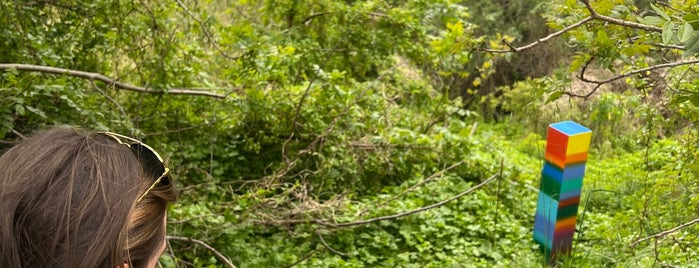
[(19, 108), (652, 20), (692, 19), (692, 45), (668, 32), (37, 112), (694, 99), (554, 96), (685, 32), (660, 12)]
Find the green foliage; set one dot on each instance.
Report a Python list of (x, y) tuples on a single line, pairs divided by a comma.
[(339, 111)]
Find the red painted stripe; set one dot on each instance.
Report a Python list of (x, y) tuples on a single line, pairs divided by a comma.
[(570, 201)]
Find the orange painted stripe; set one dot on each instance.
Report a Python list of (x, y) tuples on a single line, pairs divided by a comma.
[(574, 158), (566, 223), (562, 163), (553, 159)]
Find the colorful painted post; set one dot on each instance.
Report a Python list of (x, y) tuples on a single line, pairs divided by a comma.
[(567, 144)]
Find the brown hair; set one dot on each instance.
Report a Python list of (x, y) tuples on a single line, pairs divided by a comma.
[(68, 199)]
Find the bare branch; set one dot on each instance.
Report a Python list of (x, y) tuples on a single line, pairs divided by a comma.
[(18, 133), (372, 220), (325, 244), (667, 232), (541, 40), (593, 16), (635, 72), (308, 19), (408, 213), (109, 98), (201, 243), (105, 79), (667, 46), (420, 183)]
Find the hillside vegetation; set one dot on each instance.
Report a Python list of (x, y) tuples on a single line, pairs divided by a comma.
[(379, 133)]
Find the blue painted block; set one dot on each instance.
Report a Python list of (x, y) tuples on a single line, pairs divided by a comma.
[(544, 227), (574, 171), (571, 193), (547, 206), (569, 127)]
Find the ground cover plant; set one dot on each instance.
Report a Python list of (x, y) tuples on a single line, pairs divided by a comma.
[(378, 133)]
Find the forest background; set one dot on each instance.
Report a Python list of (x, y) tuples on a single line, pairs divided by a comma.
[(378, 133)]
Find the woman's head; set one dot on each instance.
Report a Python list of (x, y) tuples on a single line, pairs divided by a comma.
[(69, 199)]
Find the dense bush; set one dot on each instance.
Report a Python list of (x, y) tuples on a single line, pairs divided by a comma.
[(322, 114)]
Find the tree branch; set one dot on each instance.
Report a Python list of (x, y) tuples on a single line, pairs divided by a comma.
[(599, 83), (667, 232), (593, 16), (597, 16), (105, 79), (541, 40), (201, 243)]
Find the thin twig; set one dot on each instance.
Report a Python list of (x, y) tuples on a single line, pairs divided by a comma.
[(112, 100), (18, 133), (667, 232), (325, 244), (206, 32), (105, 79), (201, 243), (541, 40), (599, 83), (302, 259), (407, 213), (422, 182)]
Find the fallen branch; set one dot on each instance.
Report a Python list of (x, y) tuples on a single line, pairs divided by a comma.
[(372, 220), (420, 183), (407, 213), (201, 243), (105, 79), (667, 232)]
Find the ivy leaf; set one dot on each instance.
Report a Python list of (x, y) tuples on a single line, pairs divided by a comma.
[(685, 32), (660, 12), (667, 32), (692, 45)]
